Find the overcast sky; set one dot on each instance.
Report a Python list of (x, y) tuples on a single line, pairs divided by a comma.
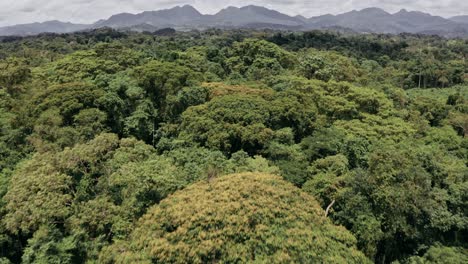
[(88, 11)]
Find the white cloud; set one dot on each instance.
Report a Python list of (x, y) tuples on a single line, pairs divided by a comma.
[(88, 11)]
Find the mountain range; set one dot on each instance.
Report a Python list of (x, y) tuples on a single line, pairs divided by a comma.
[(369, 20)]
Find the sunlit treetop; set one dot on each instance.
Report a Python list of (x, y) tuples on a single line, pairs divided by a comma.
[(241, 218)]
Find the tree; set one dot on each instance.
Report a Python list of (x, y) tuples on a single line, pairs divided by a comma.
[(407, 196), (38, 195), (326, 66), (459, 121), (237, 218), (13, 74), (258, 59), (162, 81), (441, 255), (64, 115), (229, 123), (81, 66), (48, 246)]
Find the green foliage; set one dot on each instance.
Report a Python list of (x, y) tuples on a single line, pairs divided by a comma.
[(48, 246), (64, 115), (80, 66), (11, 151), (229, 123), (138, 185), (245, 122), (258, 59), (99, 129), (38, 195), (327, 66), (412, 193), (162, 81), (441, 255), (13, 74)]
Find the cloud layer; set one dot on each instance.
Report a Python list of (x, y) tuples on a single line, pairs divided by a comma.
[(88, 11)]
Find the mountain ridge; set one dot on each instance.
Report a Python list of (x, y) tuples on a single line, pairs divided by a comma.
[(368, 20), (460, 19), (52, 26)]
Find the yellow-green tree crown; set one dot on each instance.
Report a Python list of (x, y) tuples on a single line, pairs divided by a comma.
[(240, 218)]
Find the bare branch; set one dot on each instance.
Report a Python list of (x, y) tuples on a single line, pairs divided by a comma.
[(329, 207)]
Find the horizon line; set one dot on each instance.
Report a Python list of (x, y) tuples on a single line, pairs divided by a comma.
[(214, 13)]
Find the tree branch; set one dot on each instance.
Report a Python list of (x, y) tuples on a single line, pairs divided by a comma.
[(329, 207)]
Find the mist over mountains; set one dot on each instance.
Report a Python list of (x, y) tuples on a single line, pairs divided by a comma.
[(369, 20)]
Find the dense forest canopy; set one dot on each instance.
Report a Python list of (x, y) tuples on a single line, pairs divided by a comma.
[(233, 146)]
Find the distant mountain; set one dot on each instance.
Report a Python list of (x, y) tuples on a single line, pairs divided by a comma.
[(375, 20), (187, 16), (176, 16), (301, 18), (238, 17), (45, 27), (366, 20), (460, 19), (419, 22), (369, 20)]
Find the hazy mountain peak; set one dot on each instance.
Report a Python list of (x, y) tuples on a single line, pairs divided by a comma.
[(179, 10), (460, 19), (187, 6), (255, 7), (300, 17), (53, 22), (159, 18), (413, 15), (374, 11), (53, 26), (254, 15), (228, 9), (326, 15), (402, 11), (188, 9), (252, 8), (119, 16)]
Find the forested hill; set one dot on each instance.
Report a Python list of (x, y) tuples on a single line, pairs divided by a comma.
[(233, 146)]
